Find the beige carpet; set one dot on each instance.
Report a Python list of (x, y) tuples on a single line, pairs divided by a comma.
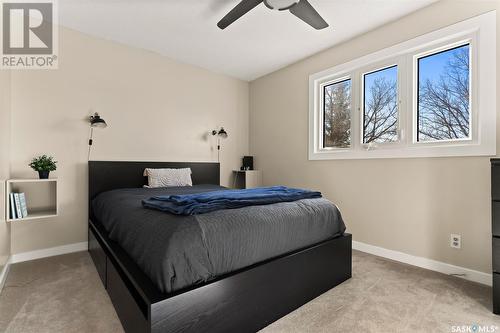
[(64, 294)]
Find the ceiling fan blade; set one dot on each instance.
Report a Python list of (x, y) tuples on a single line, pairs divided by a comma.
[(304, 11), (241, 9)]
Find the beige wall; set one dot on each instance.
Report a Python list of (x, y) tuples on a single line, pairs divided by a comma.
[(5, 114), (408, 205), (157, 109)]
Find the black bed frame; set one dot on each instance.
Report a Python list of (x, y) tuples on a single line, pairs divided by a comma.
[(243, 301)]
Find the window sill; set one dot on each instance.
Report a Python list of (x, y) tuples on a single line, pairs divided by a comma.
[(404, 152)]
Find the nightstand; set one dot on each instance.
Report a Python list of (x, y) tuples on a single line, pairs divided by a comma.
[(247, 178), (41, 198)]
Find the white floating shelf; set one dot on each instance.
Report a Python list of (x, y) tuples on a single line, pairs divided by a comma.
[(32, 180), (41, 198)]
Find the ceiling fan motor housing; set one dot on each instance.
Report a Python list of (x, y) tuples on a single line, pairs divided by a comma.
[(280, 4), (300, 8)]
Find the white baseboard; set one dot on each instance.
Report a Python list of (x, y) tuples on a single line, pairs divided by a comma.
[(433, 265), (4, 272), (50, 252)]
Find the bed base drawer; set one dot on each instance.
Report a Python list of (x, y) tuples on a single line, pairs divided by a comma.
[(98, 256), (254, 298), (126, 307), (132, 317)]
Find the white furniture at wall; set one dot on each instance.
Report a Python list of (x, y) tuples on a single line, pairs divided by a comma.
[(41, 198), (247, 178)]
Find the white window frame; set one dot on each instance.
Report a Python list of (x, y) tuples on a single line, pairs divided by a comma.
[(398, 62), (479, 32), (322, 86), (450, 44)]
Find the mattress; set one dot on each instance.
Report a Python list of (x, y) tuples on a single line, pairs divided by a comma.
[(178, 252)]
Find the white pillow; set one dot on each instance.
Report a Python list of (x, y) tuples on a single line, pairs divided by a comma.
[(168, 177)]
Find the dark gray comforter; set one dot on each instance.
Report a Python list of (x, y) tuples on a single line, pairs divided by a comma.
[(180, 251)]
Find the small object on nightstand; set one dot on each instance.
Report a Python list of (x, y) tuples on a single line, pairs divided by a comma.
[(247, 163), (247, 178)]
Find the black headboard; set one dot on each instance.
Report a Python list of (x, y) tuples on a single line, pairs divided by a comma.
[(107, 175)]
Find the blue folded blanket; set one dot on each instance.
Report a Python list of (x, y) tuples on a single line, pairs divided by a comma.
[(200, 203)]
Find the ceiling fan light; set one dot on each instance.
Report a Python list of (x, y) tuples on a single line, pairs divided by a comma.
[(280, 4)]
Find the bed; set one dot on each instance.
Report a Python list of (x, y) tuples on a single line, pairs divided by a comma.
[(139, 257)]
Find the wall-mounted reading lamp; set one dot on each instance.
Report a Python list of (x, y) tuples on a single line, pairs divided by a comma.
[(95, 122), (221, 134)]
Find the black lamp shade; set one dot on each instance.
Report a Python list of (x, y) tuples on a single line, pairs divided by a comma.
[(222, 133), (97, 121)]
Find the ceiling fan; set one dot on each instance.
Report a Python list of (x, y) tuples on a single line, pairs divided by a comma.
[(300, 8)]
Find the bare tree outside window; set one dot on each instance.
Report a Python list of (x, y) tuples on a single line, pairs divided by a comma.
[(444, 96), (337, 115), (443, 102), (380, 122)]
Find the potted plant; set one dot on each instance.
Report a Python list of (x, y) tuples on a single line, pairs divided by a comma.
[(44, 165)]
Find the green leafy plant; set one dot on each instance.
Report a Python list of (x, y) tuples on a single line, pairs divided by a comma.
[(43, 163)]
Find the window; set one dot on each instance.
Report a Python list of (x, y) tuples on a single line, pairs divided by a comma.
[(337, 114), (431, 96), (444, 95), (380, 106)]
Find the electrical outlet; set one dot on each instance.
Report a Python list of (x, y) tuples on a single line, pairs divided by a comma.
[(456, 241)]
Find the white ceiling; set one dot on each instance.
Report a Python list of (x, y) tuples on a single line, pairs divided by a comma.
[(259, 43)]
